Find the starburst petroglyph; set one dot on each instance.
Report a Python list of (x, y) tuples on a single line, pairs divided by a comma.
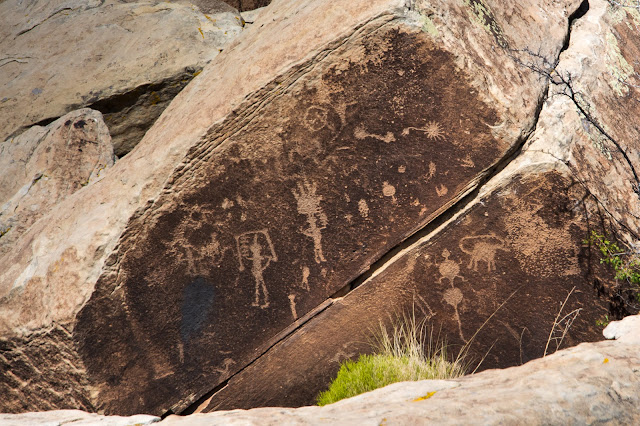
[(432, 129)]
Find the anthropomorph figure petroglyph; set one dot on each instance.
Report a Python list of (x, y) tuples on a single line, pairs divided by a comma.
[(256, 247), (309, 205)]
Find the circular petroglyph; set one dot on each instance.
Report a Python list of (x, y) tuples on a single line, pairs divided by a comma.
[(316, 118)]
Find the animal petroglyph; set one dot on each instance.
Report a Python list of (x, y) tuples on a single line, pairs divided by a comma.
[(432, 130), (361, 133), (482, 248), (309, 205), (226, 366), (256, 247)]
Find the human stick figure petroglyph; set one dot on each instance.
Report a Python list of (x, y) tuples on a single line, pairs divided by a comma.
[(482, 248), (256, 247), (432, 130), (309, 205), (305, 278)]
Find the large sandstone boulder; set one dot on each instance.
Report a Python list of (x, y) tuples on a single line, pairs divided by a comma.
[(44, 165), (127, 60), (359, 145)]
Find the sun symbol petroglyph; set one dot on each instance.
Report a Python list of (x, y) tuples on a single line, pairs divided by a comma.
[(256, 247), (482, 248), (309, 205), (432, 130)]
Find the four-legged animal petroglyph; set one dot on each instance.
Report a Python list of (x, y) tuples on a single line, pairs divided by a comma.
[(309, 205), (482, 248), (256, 247)]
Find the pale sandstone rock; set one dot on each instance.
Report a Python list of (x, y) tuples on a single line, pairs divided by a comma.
[(44, 165), (127, 60), (602, 47), (625, 331), (73, 418)]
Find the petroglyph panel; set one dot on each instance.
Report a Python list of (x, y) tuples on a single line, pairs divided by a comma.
[(280, 207), (455, 281)]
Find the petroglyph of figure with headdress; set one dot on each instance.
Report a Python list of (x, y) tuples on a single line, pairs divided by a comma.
[(309, 205)]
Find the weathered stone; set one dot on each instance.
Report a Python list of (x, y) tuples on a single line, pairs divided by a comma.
[(245, 5), (587, 384), (281, 206), (109, 56), (599, 63), (509, 260), (44, 165), (73, 418), (279, 176)]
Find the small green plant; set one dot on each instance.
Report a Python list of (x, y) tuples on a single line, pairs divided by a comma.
[(407, 354), (626, 264), (603, 322)]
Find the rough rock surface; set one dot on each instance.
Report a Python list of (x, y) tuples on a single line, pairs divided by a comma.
[(107, 55), (591, 123), (44, 165), (73, 418), (297, 166), (246, 5), (591, 383)]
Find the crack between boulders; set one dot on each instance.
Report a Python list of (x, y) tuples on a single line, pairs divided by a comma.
[(564, 82)]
